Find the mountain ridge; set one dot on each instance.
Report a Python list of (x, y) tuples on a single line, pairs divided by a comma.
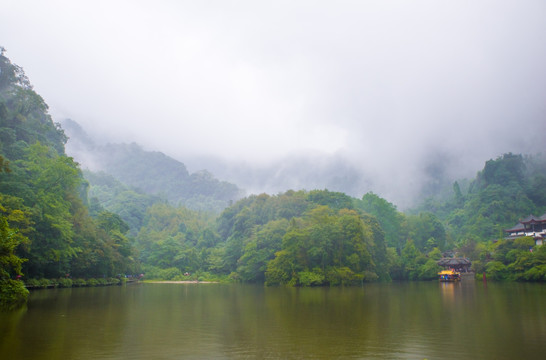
[(152, 172)]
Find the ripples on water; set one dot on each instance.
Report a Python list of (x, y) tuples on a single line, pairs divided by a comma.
[(214, 321)]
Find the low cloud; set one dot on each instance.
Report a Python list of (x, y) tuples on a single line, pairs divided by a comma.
[(380, 90)]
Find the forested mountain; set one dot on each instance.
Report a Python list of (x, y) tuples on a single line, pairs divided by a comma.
[(151, 172), (507, 189), (45, 227)]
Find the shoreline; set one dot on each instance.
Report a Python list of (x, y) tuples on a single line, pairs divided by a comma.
[(179, 282)]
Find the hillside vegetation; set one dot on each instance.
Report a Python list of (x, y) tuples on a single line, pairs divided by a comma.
[(152, 173), (134, 217), (45, 226)]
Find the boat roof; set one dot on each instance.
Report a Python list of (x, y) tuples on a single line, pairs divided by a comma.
[(447, 272)]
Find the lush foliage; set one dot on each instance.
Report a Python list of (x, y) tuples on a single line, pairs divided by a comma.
[(295, 238), (517, 259), (12, 292), (176, 238), (301, 238), (45, 226), (508, 188)]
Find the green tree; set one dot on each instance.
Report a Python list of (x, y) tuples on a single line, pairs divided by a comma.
[(12, 292), (327, 247), (503, 170), (388, 216), (260, 250), (54, 180), (410, 261), (334, 200), (282, 269), (424, 227)]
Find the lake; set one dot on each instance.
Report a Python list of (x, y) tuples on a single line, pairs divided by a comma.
[(414, 320)]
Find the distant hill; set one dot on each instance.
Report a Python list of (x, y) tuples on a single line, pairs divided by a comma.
[(151, 172)]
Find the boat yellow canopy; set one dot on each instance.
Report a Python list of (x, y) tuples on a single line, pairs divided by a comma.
[(447, 272)]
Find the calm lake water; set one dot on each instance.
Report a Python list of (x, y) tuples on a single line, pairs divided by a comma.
[(212, 321)]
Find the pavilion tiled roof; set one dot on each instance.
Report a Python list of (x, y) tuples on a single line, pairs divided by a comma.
[(519, 227), (454, 262), (516, 228), (532, 218)]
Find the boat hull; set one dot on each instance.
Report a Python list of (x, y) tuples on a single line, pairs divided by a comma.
[(449, 276)]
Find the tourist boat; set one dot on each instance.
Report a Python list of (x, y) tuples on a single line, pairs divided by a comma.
[(449, 275)]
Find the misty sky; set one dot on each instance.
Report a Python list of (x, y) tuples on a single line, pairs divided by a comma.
[(381, 84)]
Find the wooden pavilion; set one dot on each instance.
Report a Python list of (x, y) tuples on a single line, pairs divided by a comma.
[(461, 265)]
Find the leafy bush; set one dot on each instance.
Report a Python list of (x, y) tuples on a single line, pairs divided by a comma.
[(496, 270), (152, 272), (44, 283), (79, 283), (343, 276), (170, 273), (65, 282), (370, 276), (478, 268), (310, 278), (92, 282), (114, 281), (429, 271), (234, 276), (13, 294), (537, 273)]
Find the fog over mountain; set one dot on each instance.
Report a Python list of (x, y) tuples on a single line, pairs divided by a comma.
[(301, 171), (336, 173), (395, 97)]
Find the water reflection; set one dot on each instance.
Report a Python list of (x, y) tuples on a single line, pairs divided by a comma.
[(169, 321)]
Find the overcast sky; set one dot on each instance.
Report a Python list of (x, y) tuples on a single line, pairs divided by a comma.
[(383, 84)]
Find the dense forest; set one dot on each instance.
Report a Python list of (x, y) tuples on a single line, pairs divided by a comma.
[(45, 226), (59, 222)]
